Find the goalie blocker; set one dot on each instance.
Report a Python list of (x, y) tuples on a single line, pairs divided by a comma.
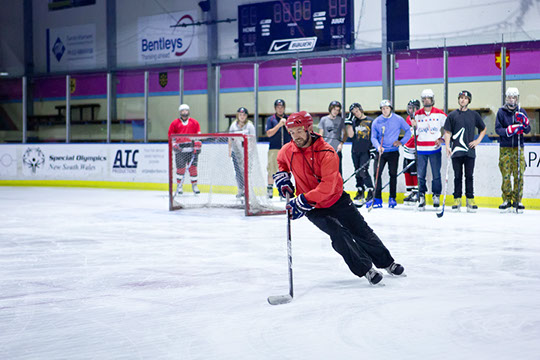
[(224, 179)]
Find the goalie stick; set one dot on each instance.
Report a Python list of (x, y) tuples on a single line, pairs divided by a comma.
[(284, 299)]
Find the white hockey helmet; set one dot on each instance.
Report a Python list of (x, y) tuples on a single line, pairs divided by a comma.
[(385, 102), (511, 91), (183, 107), (512, 97), (428, 93)]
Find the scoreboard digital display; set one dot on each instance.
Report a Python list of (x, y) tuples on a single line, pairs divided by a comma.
[(290, 26)]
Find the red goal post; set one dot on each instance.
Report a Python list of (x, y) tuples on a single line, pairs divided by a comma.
[(218, 170)]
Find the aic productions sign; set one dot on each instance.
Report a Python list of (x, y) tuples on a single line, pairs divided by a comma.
[(162, 38)]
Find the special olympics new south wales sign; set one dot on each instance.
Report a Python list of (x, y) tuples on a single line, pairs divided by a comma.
[(161, 40)]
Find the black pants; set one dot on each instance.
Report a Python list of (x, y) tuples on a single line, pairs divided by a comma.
[(363, 179), (351, 236), (392, 159), (458, 164)]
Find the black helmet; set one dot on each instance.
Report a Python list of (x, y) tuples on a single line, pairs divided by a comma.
[(334, 104), (355, 105), (279, 102), (415, 103), (242, 110), (465, 93)]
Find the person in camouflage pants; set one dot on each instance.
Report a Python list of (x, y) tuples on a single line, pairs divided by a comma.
[(509, 167), (510, 124)]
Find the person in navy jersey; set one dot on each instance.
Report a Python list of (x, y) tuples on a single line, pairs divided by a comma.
[(385, 132), (277, 137)]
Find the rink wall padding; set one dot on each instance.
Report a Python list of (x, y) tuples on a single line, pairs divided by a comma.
[(144, 166)]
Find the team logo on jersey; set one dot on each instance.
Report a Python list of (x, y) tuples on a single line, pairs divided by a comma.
[(33, 158), (163, 80), (461, 146)]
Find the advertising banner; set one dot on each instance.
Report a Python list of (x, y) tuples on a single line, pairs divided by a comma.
[(71, 48), (167, 38)]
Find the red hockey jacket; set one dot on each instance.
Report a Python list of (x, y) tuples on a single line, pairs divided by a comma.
[(315, 170)]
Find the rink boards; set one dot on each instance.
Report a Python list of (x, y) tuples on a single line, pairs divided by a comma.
[(144, 166)]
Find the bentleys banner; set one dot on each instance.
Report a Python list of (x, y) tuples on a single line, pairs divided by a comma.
[(71, 48), (167, 37)]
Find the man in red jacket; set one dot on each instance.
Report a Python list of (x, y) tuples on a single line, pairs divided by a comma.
[(319, 185)]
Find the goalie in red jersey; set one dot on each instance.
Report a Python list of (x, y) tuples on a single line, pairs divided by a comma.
[(186, 151)]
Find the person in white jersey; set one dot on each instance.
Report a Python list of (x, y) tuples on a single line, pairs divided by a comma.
[(236, 145), (429, 122)]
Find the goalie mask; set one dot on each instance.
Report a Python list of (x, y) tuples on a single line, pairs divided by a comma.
[(184, 111), (302, 118), (512, 97)]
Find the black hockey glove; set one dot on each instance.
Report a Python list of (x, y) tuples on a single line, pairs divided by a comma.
[(299, 206), (283, 183)]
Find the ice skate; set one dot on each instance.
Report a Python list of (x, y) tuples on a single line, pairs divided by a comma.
[(505, 206), (359, 199), (240, 194), (436, 201), (373, 276), (377, 203), (179, 190), (411, 199), (392, 203), (457, 205), (395, 269), (422, 203), (195, 188), (471, 205), (520, 208)]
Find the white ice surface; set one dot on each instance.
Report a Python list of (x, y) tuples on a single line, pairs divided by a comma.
[(112, 274)]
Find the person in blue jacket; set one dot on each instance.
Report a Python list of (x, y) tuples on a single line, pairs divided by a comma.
[(391, 124), (511, 123)]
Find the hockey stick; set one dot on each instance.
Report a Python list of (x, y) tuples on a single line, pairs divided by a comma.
[(358, 170), (377, 175), (439, 215), (518, 162), (285, 299), (401, 172)]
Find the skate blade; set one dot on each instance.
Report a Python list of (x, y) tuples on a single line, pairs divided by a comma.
[(279, 299)]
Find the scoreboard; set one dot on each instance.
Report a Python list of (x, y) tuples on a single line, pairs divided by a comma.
[(289, 26)]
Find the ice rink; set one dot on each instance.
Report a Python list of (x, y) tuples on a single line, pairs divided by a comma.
[(112, 274)]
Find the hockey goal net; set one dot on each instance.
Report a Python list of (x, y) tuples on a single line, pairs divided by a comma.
[(218, 170)]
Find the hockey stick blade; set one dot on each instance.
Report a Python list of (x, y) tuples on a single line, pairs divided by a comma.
[(439, 215), (279, 299)]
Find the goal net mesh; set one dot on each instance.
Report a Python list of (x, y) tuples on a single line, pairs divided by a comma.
[(218, 170)]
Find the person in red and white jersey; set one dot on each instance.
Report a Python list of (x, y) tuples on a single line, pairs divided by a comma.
[(186, 151), (429, 122), (409, 156)]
